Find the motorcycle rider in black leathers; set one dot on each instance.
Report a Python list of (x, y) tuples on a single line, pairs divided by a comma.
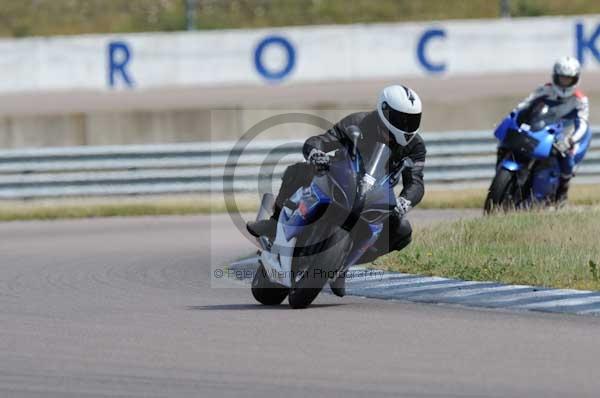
[(395, 123)]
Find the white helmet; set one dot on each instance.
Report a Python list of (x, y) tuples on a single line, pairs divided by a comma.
[(565, 76), (399, 109)]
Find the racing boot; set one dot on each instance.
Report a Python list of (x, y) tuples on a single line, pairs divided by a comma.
[(260, 228), (338, 286), (266, 227), (562, 191)]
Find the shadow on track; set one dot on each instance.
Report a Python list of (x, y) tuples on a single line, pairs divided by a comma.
[(221, 307)]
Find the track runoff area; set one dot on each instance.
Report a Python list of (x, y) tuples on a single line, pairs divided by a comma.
[(127, 307)]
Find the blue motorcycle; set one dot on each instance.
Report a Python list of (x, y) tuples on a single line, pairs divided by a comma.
[(327, 226), (529, 173)]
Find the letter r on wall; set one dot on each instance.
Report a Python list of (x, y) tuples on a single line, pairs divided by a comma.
[(119, 56)]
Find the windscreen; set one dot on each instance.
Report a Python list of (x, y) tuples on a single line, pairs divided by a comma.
[(538, 116), (377, 162)]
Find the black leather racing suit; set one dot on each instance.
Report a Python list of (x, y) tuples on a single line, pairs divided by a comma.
[(397, 231)]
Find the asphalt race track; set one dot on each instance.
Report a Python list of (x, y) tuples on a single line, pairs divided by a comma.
[(125, 308)]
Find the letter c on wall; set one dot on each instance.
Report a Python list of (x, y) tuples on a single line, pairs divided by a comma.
[(429, 65)]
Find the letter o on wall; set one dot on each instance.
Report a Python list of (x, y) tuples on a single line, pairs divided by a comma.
[(274, 75)]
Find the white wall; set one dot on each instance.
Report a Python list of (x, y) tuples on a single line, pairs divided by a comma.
[(325, 53)]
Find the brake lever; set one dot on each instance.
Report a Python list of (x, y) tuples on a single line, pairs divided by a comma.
[(560, 149)]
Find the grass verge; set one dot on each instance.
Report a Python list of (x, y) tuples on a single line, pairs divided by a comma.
[(579, 195), (205, 204), (553, 249)]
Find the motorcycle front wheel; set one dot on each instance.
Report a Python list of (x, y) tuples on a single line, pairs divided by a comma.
[(501, 195), (265, 291), (315, 261)]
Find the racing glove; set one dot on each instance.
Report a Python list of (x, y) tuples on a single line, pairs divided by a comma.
[(319, 159), (403, 206), (564, 145)]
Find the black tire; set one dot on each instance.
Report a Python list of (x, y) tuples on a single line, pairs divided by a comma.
[(501, 192), (319, 257), (265, 291)]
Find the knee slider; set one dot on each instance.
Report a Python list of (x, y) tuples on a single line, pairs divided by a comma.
[(405, 229)]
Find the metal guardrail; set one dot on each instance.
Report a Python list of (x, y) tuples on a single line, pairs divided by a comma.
[(454, 159)]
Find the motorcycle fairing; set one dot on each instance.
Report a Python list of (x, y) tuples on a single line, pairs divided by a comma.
[(278, 260), (361, 248), (545, 182), (510, 165), (307, 201)]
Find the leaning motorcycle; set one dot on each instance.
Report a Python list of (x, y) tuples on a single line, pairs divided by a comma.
[(529, 173), (326, 227)]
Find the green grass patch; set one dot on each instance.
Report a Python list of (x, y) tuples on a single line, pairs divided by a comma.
[(588, 195), (21, 18), (579, 195), (554, 249)]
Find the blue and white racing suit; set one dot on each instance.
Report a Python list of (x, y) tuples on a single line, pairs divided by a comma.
[(575, 107)]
